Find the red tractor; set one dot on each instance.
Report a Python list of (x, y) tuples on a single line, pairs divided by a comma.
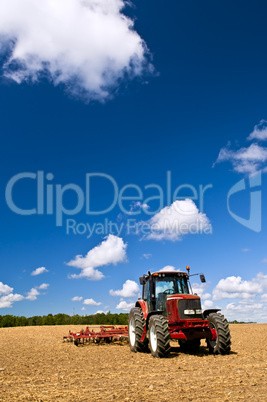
[(168, 310)]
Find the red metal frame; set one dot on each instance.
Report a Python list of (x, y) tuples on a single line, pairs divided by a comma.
[(106, 332)]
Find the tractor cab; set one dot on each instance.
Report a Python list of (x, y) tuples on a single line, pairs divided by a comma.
[(159, 285)]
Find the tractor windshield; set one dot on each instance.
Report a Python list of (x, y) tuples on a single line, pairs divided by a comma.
[(171, 285), (168, 285)]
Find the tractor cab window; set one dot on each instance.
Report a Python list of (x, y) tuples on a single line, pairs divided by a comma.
[(182, 285), (164, 286), (168, 285), (147, 292)]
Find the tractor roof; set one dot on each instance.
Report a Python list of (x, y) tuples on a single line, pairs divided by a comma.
[(161, 273)]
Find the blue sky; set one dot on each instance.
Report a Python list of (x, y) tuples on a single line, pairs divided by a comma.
[(179, 91)]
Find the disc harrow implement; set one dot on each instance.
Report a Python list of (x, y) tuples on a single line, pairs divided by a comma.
[(106, 333)]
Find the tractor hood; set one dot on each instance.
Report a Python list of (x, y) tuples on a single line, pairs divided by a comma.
[(183, 307)]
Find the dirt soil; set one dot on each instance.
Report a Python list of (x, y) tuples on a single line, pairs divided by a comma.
[(35, 365)]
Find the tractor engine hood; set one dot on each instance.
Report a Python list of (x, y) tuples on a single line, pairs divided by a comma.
[(183, 307)]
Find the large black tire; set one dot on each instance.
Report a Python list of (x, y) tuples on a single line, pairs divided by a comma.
[(222, 345), (190, 346), (159, 337), (136, 328)]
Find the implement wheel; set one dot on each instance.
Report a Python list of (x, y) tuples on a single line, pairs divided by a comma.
[(136, 328), (222, 343), (159, 337)]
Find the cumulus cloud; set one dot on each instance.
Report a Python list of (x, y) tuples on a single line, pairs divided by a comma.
[(129, 289), (247, 310), (259, 132), (200, 290), (123, 305), (100, 312), (168, 268), (87, 45), (77, 298), (91, 302), (8, 300), (245, 160), (207, 304), (5, 289), (235, 287), (137, 207), (32, 294), (39, 271), (171, 223), (111, 251), (43, 286), (249, 159)]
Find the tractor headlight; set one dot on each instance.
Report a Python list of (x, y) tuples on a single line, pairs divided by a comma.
[(199, 311), (188, 312)]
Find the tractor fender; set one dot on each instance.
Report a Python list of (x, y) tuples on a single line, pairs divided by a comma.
[(211, 310), (143, 306)]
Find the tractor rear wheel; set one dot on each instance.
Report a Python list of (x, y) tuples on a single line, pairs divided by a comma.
[(190, 346), (222, 344), (159, 337), (136, 328)]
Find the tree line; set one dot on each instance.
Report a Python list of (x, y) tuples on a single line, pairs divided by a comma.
[(64, 319)]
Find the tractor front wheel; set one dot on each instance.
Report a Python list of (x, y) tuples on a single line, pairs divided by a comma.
[(222, 343), (159, 337), (136, 328)]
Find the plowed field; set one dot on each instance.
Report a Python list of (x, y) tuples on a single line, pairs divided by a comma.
[(35, 365)]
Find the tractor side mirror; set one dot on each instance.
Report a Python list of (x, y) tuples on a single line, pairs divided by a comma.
[(202, 278), (142, 280)]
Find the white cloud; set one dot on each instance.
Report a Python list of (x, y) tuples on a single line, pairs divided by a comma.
[(234, 287), (199, 288), (88, 45), (264, 260), (245, 160), (136, 207), (32, 294), (91, 302), (207, 304), (246, 310), (39, 271), (77, 298), (89, 273), (43, 286), (123, 305), (245, 250), (206, 296), (259, 132), (100, 312), (171, 223), (5, 289), (129, 289), (8, 300), (83, 309), (111, 251), (168, 268)]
